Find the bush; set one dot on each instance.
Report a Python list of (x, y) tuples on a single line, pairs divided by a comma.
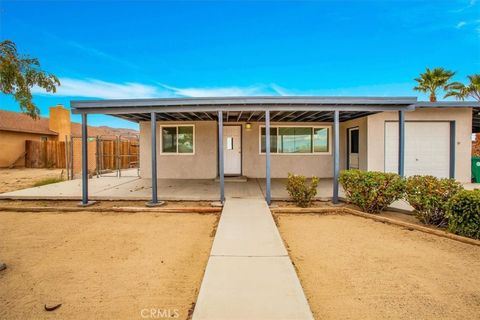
[(464, 214), (301, 193), (429, 196), (372, 191)]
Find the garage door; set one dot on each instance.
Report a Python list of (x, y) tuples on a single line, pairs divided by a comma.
[(427, 148)]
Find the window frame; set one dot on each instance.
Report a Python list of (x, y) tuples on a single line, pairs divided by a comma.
[(312, 153), (176, 153)]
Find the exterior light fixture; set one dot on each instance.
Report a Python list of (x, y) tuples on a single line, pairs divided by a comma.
[(248, 125)]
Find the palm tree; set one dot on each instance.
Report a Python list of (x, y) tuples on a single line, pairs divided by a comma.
[(461, 91), (431, 80)]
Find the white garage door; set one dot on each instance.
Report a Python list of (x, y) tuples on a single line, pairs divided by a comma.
[(427, 148)]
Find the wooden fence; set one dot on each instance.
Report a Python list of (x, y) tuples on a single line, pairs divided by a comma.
[(45, 154), (126, 152), (104, 154)]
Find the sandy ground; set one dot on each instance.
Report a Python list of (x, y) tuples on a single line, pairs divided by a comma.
[(99, 204), (102, 266), (356, 268), (21, 178)]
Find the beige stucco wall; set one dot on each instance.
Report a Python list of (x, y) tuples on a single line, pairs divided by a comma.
[(320, 165), (12, 145), (462, 117), (201, 165)]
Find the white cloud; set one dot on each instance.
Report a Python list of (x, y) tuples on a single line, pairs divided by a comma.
[(460, 24), (93, 88), (98, 53), (256, 90)]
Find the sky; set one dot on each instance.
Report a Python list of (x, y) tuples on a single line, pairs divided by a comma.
[(153, 49)]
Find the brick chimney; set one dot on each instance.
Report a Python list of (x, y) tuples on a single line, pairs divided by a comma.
[(60, 121)]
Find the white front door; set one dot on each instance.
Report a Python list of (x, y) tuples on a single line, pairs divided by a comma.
[(427, 148), (232, 150), (353, 147)]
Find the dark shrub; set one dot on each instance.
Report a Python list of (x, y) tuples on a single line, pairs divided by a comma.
[(429, 196), (301, 193), (372, 191), (464, 214)]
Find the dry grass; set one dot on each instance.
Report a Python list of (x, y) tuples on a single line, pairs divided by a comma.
[(101, 266), (22, 178), (356, 268)]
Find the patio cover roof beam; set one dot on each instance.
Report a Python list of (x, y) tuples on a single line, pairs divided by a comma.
[(208, 116), (245, 101), (324, 117), (307, 116), (239, 116), (246, 108), (196, 116), (299, 116), (286, 116), (251, 115)]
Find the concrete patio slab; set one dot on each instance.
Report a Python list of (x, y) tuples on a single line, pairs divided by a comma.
[(72, 189), (249, 274)]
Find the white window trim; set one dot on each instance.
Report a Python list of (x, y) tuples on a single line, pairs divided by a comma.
[(177, 153), (313, 153)]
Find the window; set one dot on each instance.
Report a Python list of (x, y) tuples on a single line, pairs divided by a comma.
[(296, 140), (178, 139)]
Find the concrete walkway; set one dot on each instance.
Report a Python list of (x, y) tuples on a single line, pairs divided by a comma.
[(249, 274)]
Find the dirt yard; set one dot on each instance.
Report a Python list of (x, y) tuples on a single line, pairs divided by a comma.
[(102, 266), (356, 268), (16, 179)]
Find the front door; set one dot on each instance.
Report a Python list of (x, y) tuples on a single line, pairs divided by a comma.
[(353, 146), (232, 150)]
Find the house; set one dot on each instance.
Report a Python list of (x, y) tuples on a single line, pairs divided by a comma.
[(268, 137), (16, 128)]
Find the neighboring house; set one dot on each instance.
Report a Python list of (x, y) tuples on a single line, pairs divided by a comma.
[(16, 128), (437, 136)]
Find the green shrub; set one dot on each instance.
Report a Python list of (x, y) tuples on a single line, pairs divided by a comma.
[(301, 193), (372, 191), (464, 214), (429, 196)]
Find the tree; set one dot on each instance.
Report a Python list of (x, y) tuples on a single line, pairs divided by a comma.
[(19, 73), (461, 91), (431, 80)]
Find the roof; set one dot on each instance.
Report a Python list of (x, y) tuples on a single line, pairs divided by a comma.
[(20, 122), (232, 101), (284, 108)]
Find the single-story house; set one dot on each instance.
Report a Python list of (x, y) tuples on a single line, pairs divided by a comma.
[(268, 137)]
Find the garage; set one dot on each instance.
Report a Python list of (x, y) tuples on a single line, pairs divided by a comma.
[(427, 148)]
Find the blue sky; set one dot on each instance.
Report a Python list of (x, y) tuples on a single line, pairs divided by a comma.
[(121, 49)]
